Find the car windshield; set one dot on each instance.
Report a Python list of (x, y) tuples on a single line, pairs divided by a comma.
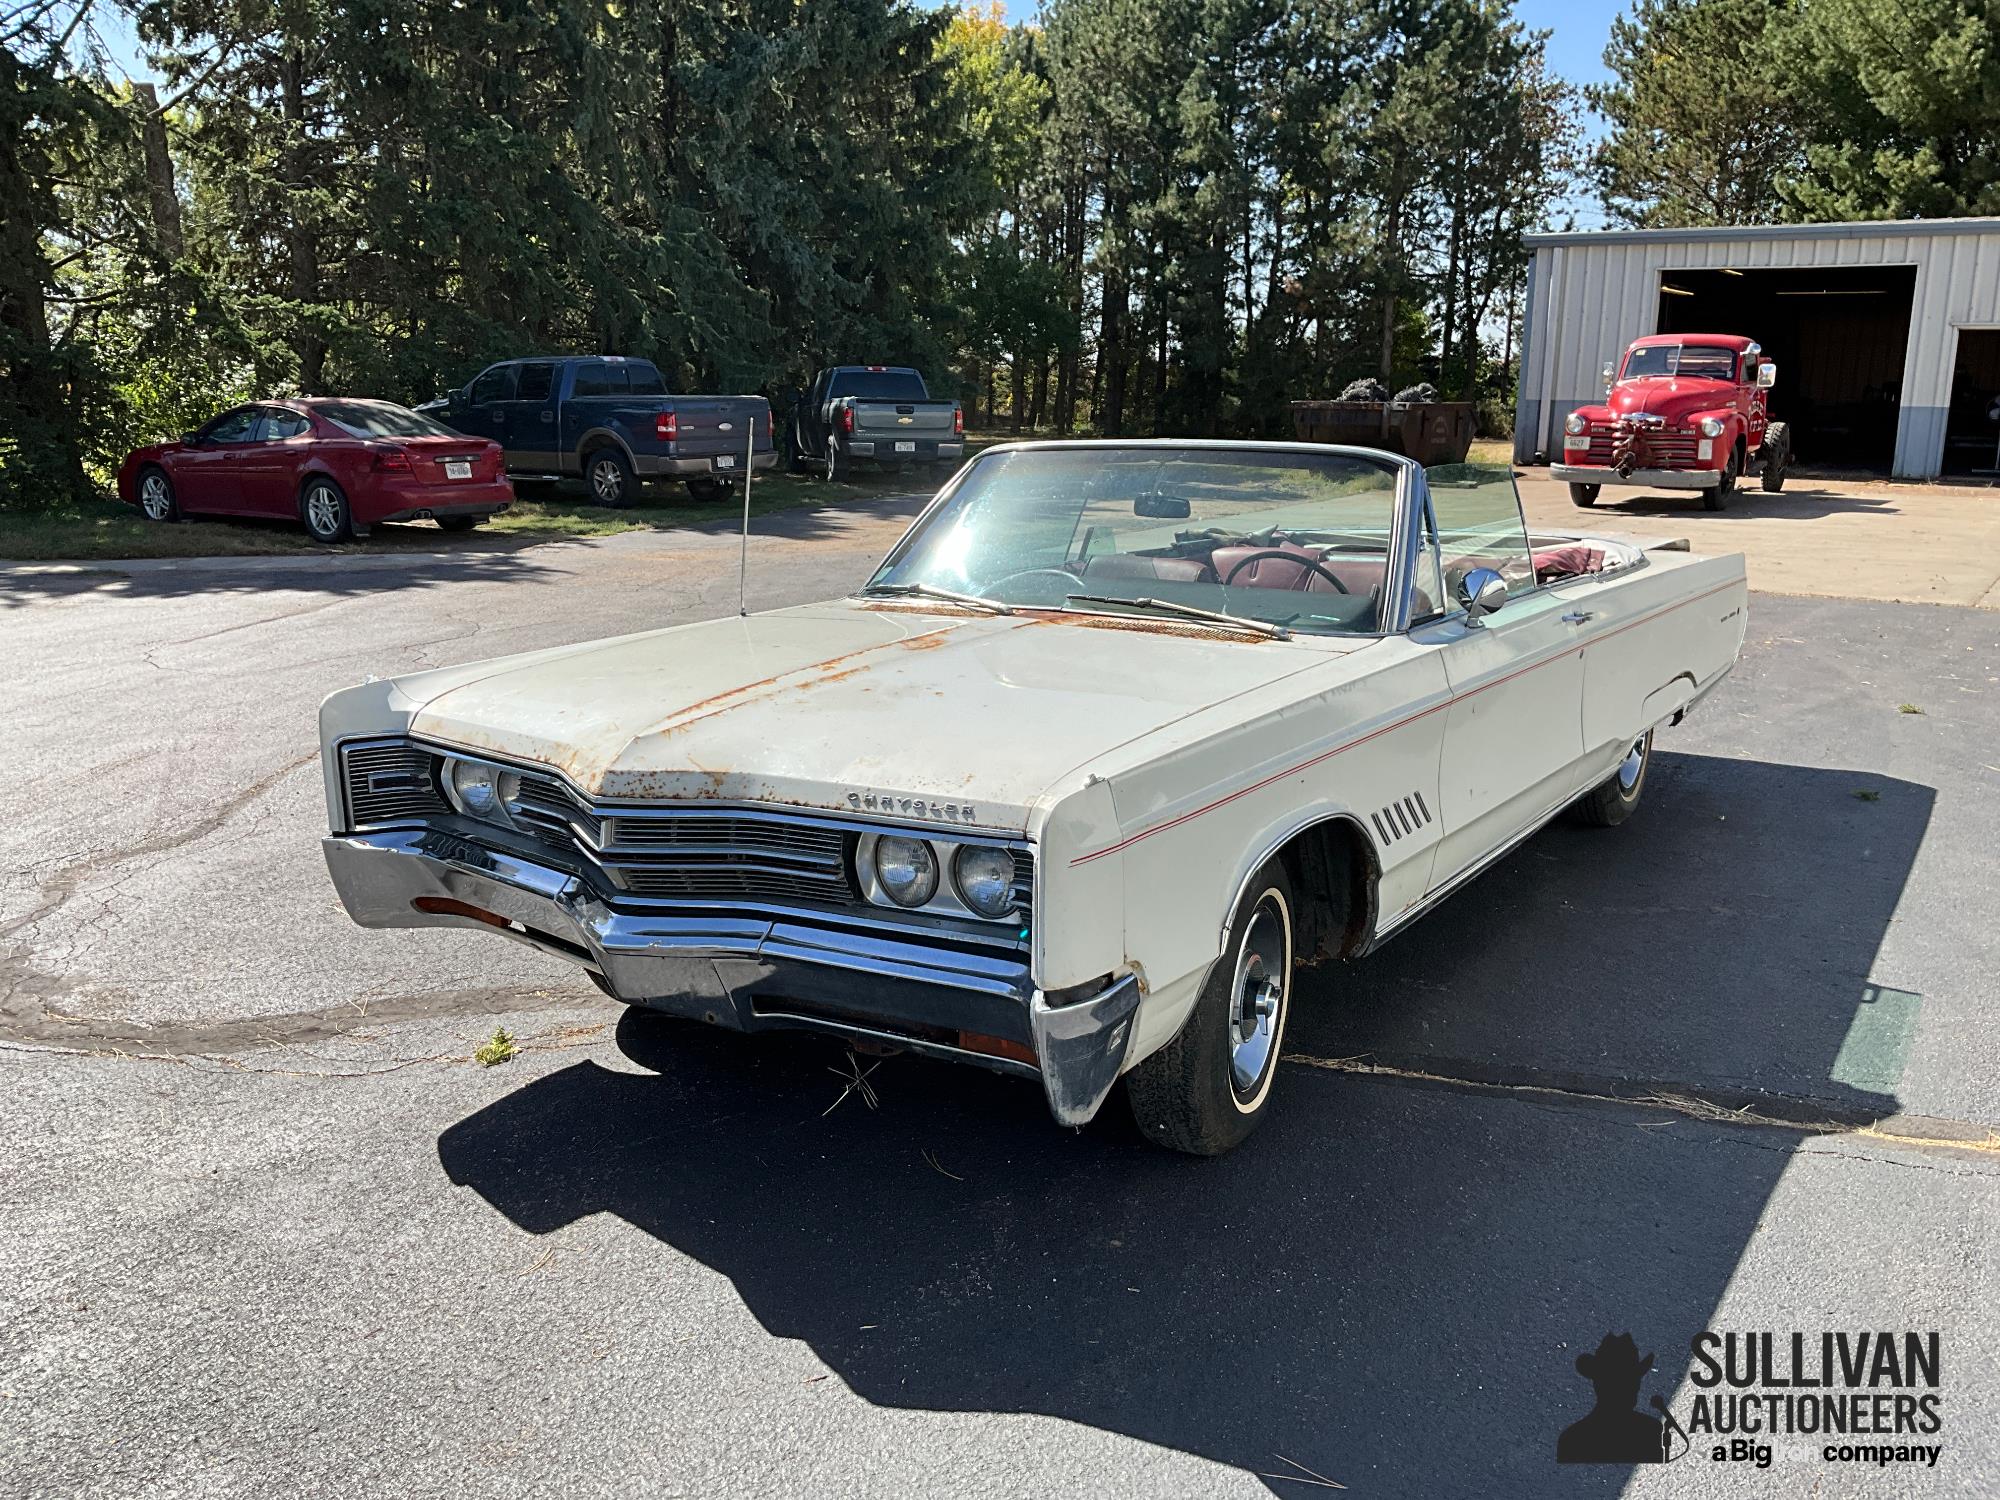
[(879, 385), (378, 419), (1698, 361), (1292, 539)]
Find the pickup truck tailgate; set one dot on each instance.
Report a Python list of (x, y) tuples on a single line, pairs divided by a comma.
[(708, 426), (883, 420)]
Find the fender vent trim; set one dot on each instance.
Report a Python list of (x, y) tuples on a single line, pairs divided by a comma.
[(1401, 818)]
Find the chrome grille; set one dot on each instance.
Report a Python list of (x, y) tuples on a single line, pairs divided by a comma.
[(687, 852), (1661, 448), (389, 781)]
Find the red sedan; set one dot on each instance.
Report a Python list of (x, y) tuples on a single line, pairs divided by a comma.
[(337, 464)]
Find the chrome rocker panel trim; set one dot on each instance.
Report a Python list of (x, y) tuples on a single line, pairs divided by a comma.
[(801, 970)]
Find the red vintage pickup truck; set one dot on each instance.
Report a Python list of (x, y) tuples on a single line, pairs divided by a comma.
[(1682, 411)]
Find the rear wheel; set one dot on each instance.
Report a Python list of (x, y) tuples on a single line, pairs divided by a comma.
[(608, 478), (1777, 452), (708, 490), (324, 510), (1584, 495), (1611, 801), (156, 496), (1207, 1089)]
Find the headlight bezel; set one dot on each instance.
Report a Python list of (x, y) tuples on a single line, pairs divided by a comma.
[(1711, 427), (1576, 424), (496, 777), (945, 897)]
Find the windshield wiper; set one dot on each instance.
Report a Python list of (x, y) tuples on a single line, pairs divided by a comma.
[(1187, 612), (932, 591)]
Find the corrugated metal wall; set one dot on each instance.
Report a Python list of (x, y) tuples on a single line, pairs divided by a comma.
[(1589, 295)]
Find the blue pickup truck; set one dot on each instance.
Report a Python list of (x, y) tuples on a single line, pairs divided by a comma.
[(609, 421)]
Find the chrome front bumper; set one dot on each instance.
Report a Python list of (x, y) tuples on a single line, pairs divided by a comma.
[(1643, 479), (750, 971)]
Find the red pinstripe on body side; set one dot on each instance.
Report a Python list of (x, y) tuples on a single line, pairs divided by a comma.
[(1424, 713)]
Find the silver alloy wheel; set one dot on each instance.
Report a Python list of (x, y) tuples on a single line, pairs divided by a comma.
[(1256, 998), (1630, 768), (154, 498), (323, 510), (606, 482)]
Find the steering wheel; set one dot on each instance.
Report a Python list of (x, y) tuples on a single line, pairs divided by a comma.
[(1062, 573), (1306, 562)]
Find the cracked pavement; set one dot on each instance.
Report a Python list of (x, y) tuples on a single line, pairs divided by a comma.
[(269, 1230)]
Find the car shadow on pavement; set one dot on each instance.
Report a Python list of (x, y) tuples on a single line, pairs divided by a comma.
[(1794, 502), (1721, 942), (1390, 1283)]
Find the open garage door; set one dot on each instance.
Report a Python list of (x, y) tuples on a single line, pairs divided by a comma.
[(1838, 335), (1972, 430)]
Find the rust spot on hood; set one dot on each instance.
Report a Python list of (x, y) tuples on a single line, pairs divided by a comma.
[(814, 675)]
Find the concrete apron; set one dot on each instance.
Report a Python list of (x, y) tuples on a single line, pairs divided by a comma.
[(1834, 538)]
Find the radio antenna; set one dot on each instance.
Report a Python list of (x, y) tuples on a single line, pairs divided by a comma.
[(743, 555)]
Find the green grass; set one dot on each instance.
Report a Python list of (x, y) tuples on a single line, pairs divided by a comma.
[(496, 1049), (106, 529)]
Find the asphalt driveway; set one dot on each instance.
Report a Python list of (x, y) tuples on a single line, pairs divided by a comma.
[(270, 1230)]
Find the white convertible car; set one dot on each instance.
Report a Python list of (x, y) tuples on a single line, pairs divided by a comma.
[(1118, 735)]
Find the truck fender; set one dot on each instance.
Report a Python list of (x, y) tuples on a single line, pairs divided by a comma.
[(597, 437)]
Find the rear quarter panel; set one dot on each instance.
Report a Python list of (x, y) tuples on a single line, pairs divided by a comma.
[(1659, 635)]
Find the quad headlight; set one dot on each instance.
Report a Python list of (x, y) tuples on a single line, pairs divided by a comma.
[(984, 877), (481, 791), (905, 869)]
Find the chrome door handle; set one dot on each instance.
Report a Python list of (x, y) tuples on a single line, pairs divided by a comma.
[(1578, 616)]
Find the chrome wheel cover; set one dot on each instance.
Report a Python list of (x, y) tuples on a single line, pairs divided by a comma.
[(322, 510), (1632, 767), (605, 480), (153, 497), (1257, 998)]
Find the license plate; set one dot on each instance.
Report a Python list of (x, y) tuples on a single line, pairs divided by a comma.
[(458, 468), (726, 461), (906, 447)]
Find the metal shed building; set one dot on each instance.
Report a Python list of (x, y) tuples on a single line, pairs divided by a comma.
[(1886, 335)]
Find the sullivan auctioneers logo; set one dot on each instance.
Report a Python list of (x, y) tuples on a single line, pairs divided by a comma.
[(1852, 1397)]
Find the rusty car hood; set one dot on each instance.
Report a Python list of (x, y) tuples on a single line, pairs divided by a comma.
[(855, 707)]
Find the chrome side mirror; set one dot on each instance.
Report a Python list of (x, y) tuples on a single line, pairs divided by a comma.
[(1767, 375), (1480, 592)]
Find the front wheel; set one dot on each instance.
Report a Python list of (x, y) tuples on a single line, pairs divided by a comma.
[(1207, 1089), (1716, 496), (324, 510), (156, 496), (707, 491), (1584, 495), (1611, 801)]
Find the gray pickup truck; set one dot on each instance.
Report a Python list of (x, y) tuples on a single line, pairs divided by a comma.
[(610, 422), (879, 412)]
